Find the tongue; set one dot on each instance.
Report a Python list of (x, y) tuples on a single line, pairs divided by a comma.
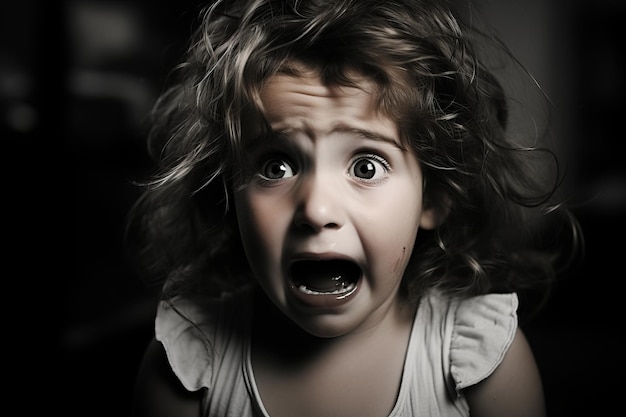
[(324, 276)]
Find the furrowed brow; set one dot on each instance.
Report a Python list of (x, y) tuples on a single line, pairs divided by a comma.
[(368, 134)]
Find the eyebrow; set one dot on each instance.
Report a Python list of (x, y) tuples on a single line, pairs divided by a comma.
[(366, 134)]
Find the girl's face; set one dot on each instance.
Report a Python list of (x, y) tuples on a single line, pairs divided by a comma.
[(331, 206)]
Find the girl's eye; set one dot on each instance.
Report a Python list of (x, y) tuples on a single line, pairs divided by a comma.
[(276, 169), (369, 168)]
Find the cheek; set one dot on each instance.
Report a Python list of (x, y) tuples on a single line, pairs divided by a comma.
[(390, 239), (260, 226), (398, 234), (400, 213)]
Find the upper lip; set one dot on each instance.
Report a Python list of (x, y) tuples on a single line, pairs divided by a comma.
[(322, 256)]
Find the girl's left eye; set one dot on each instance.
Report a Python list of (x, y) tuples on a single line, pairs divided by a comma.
[(276, 169), (369, 168)]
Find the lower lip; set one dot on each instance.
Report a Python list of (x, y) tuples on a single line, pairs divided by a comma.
[(324, 300)]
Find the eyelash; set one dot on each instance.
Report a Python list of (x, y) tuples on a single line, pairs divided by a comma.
[(369, 156), (377, 157), (282, 160), (286, 165)]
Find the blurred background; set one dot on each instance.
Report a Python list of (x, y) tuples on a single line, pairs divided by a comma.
[(77, 79)]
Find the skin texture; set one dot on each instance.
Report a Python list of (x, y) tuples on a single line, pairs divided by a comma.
[(321, 209), (304, 196)]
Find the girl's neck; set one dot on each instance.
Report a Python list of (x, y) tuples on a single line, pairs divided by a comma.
[(293, 347), (356, 374)]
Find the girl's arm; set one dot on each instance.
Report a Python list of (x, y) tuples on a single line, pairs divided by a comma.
[(514, 389), (158, 393)]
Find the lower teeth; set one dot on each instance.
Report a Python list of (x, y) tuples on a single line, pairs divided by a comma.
[(344, 289)]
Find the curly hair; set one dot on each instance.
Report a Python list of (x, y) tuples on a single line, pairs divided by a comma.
[(499, 234)]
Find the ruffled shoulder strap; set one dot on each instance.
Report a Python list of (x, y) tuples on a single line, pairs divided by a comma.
[(484, 327), (186, 328), (196, 331)]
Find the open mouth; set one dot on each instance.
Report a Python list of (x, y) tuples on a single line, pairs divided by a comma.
[(335, 277)]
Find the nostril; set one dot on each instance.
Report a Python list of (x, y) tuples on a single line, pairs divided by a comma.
[(313, 227), (305, 226), (311, 224)]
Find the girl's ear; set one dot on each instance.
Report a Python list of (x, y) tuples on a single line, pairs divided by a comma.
[(434, 213)]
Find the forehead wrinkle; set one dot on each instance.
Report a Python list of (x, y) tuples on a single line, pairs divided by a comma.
[(306, 97)]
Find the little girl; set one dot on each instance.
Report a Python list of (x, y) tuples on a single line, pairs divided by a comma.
[(340, 222)]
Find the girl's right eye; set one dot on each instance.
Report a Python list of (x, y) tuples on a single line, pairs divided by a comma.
[(276, 169)]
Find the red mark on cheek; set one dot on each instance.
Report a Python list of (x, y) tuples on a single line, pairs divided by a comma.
[(399, 261)]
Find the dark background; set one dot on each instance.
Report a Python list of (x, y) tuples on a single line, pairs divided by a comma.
[(76, 81)]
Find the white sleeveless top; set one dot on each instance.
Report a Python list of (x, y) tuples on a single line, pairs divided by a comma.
[(453, 344)]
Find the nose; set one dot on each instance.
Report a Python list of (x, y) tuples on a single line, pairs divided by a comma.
[(320, 204)]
